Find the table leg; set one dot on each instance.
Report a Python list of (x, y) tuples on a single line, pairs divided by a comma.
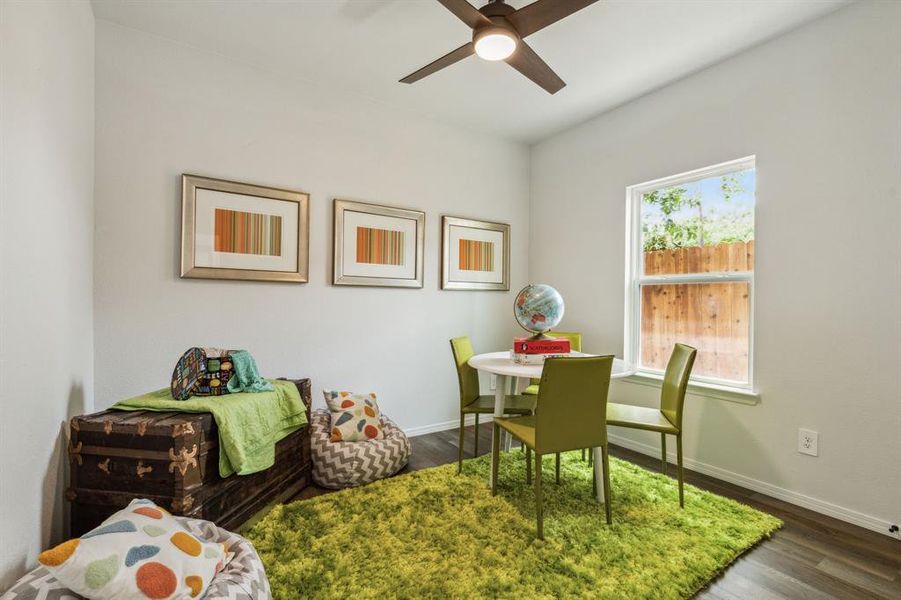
[(514, 385), (500, 390), (598, 474)]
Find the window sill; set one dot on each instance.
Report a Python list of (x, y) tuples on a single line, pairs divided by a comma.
[(705, 390)]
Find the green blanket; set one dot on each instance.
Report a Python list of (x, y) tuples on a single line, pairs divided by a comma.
[(250, 424)]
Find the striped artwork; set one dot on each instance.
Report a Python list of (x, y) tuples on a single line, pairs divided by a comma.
[(380, 246), (240, 232), (476, 255)]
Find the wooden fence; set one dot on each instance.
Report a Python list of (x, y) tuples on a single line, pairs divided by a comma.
[(701, 259), (712, 317)]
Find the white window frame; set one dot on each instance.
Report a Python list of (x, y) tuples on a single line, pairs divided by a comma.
[(699, 385)]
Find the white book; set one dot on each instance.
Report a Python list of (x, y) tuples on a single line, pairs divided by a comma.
[(532, 359)]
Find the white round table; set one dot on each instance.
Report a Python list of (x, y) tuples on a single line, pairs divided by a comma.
[(501, 364)]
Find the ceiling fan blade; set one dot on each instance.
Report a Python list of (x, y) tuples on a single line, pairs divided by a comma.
[(436, 65), (527, 62), (466, 12), (538, 15)]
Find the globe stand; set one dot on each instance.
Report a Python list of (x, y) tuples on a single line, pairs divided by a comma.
[(540, 336)]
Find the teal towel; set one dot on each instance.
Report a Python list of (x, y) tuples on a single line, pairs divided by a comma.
[(246, 377)]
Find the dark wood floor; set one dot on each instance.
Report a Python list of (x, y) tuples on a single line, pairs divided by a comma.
[(812, 556)]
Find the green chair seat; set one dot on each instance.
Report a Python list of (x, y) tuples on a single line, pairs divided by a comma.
[(514, 405), (522, 428), (638, 417), (532, 390)]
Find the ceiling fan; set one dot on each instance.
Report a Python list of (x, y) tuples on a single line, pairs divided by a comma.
[(497, 34)]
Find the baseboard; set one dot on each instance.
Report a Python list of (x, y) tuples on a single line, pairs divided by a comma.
[(444, 426), (820, 506)]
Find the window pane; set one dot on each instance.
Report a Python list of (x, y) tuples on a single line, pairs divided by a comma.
[(700, 226), (712, 317)]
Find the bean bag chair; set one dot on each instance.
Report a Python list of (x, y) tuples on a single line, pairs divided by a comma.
[(243, 578), (349, 464)]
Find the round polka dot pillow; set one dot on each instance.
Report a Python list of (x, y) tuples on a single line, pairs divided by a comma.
[(139, 552)]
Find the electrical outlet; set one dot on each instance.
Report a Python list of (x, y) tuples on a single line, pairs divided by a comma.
[(808, 441), (492, 382)]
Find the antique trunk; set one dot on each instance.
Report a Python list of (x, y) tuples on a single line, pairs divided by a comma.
[(172, 458)]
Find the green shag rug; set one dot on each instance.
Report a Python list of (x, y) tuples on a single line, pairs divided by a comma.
[(436, 534)]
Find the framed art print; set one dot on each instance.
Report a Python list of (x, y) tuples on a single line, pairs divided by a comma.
[(236, 230), (475, 255), (378, 245)]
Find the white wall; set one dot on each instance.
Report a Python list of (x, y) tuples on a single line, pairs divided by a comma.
[(46, 263), (820, 109), (164, 109)]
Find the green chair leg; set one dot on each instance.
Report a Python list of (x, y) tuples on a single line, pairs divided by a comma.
[(475, 452), (495, 456), (557, 469), (606, 465), (663, 453), (583, 453), (462, 432), (539, 505), (528, 465), (679, 467)]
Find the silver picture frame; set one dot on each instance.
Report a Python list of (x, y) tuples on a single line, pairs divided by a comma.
[(342, 262), (448, 282), (189, 269)]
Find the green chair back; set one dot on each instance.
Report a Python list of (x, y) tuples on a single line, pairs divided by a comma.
[(571, 411), (467, 376), (575, 344), (675, 382)]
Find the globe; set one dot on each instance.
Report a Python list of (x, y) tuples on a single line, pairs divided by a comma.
[(538, 308)]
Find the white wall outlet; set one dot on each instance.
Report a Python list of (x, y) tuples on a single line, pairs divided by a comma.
[(492, 382), (808, 442)]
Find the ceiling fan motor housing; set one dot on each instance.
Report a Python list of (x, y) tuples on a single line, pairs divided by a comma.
[(496, 9), (496, 13)]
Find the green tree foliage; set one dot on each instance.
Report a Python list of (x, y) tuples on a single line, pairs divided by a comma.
[(685, 224)]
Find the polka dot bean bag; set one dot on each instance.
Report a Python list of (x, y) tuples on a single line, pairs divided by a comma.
[(350, 464), (241, 578)]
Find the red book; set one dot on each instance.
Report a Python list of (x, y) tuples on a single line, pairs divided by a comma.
[(546, 346)]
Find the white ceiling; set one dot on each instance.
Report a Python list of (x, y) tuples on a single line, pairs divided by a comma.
[(608, 53)]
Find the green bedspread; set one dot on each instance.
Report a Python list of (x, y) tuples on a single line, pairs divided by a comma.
[(249, 424)]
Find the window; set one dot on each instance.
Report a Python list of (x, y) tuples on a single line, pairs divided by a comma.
[(691, 272)]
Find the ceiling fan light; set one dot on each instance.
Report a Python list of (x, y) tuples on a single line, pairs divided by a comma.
[(496, 45)]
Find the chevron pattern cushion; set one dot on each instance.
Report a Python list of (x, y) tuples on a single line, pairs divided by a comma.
[(349, 464), (243, 578)]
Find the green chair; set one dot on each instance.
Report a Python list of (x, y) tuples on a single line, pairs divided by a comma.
[(668, 419), (571, 414), (473, 403), (575, 344)]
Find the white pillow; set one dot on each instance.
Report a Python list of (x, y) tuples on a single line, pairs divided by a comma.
[(139, 552), (355, 417)]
